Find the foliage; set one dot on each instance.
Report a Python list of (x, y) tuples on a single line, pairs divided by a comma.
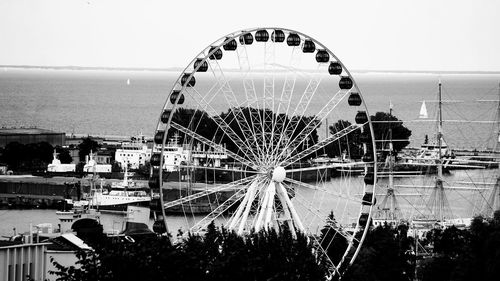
[(382, 130), (349, 144), (384, 256), (332, 240), (470, 254), (64, 155), (27, 157), (235, 118), (87, 145), (218, 255), (352, 145)]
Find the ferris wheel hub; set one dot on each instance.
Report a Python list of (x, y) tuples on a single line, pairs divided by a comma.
[(279, 174)]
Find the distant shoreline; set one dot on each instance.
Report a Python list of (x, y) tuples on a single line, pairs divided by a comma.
[(177, 69)]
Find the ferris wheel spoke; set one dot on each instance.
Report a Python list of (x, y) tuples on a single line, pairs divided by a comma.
[(206, 192), (234, 106), (317, 213), (220, 210), (315, 122), (224, 126), (298, 114), (325, 191), (265, 98), (319, 145), (268, 99), (215, 146)]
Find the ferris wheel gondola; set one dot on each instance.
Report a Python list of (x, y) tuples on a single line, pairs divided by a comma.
[(238, 135)]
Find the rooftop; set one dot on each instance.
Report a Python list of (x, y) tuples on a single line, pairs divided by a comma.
[(25, 131)]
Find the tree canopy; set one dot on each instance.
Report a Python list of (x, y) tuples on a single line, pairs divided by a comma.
[(383, 123), (27, 157), (87, 145)]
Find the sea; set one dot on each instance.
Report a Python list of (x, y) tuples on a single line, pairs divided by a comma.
[(128, 103)]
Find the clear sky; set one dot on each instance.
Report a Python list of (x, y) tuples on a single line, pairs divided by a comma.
[(449, 35)]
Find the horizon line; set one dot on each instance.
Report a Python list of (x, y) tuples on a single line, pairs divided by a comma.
[(176, 68)]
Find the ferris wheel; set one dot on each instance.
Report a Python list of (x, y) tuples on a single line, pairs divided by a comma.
[(243, 140)]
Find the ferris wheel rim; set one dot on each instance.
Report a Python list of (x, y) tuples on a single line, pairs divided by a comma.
[(219, 43)]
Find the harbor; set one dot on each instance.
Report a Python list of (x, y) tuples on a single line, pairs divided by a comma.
[(363, 149)]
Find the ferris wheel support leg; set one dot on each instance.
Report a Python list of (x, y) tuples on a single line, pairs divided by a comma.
[(248, 207), (262, 210), (286, 211), (289, 205), (270, 205), (238, 213)]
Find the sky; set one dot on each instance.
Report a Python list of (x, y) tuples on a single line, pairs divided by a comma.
[(420, 35)]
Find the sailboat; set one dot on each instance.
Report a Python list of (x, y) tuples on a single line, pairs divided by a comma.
[(423, 111), (128, 82), (437, 210)]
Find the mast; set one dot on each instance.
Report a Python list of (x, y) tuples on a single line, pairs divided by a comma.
[(439, 179), (391, 153), (440, 134)]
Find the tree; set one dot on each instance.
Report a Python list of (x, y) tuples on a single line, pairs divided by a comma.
[(87, 145), (381, 131), (29, 157), (352, 145), (382, 256), (332, 240), (64, 155), (349, 143)]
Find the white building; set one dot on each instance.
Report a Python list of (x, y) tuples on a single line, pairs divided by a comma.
[(56, 166), (91, 166), (34, 259), (133, 154)]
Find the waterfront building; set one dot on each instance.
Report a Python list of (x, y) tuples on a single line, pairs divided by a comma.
[(31, 135), (17, 261), (57, 167), (91, 165), (21, 260)]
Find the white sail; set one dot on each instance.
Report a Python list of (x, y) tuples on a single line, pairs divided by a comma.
[(128, 81), (423, 111)]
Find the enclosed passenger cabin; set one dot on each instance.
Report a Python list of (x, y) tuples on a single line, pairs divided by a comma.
[(184, 80), (278, 36), (293, 39), (345, 83), (261, 35), (361, 117), (322, 56), (367, 199), (309, 46), (155, 159), (217, 53), (203, 65), (165, 115), (246, 39), (158, 139), (369, 178), (174, 95), (335, 68), (354, 99), (230, 44)]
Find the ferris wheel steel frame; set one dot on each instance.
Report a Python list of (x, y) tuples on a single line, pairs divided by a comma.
[(264, 157)]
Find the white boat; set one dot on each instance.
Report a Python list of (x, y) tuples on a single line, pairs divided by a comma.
[(121, 195)]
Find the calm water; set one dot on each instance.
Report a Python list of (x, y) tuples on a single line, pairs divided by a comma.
[(101, 103)]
